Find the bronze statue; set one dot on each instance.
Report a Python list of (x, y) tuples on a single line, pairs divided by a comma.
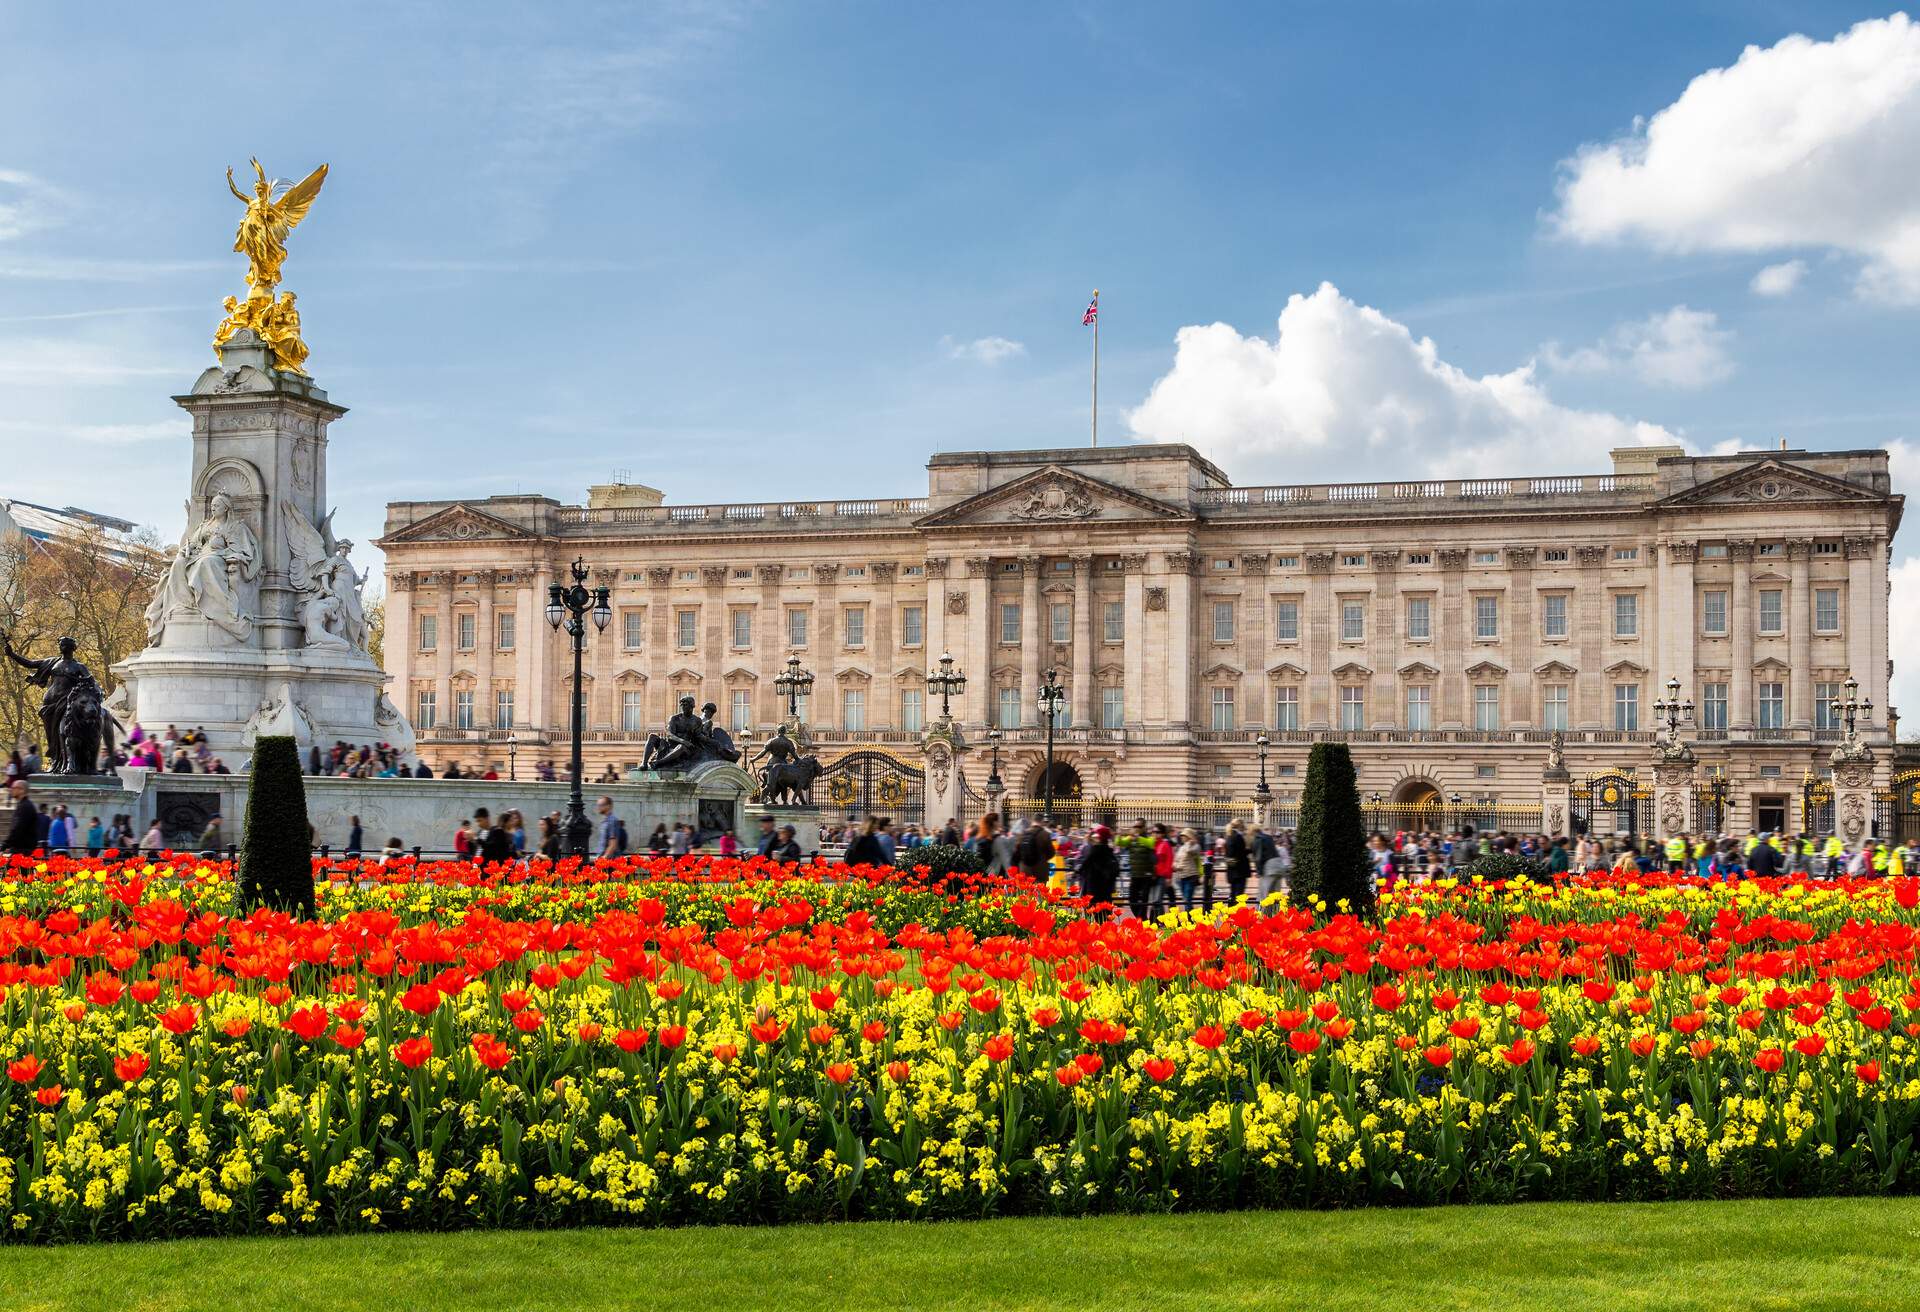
[(719, 741), (788, 777), (685, 744), (72, 712)]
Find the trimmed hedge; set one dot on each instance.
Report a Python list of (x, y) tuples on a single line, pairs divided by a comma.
[(276, 858), (1330, 846)]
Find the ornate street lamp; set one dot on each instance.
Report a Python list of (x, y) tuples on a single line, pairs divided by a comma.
[(994, 786), (1459, 817), (1262, 794), (513, 742), (571, 606), (947, 682), (793, 685), (1672, 710), (1851, 708), (1053, 700)]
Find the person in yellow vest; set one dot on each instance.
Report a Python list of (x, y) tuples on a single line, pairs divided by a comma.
[(1676, 852), (1702, 857), (1879, 858), (1897, 860), (1835, 852), (1753, 841)]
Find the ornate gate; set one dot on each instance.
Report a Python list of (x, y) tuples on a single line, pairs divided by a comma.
[(1902, 820), (865, 783), (1611, 803), (1816, 805)]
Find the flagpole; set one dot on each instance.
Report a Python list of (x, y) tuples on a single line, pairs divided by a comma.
[(1096, 371)]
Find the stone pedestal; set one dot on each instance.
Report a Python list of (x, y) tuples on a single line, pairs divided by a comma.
[(261, 662), (1556, 798), (1853, 792), (941, 748), (1673, 792)]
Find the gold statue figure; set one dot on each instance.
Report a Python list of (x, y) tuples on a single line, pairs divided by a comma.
[(262, 238)]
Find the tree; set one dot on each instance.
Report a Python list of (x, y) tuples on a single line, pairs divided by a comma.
[(91, 585), (377, 630), (276, 857), (1330, 849)]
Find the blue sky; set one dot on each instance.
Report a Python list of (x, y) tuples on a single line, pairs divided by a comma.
[(746, 251)]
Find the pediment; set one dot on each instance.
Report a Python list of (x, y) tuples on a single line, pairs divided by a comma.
[(460, 523), (1770, 482), (1352, 670), (1005, 672), (1417, 670), (1771, 665), (1109, 671), (1625, 667), (1285, 670), (1054, 495), (910, 676), (1486, 670), (853, 674), (1768, 576), (1555, 670), (1221, 670), (630, 675), (685, 675), (741, 674)]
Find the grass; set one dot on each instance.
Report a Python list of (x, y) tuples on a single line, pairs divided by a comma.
[(1560, 1257)]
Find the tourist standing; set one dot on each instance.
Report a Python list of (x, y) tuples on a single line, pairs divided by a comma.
[(1239, 864), (24, 834)]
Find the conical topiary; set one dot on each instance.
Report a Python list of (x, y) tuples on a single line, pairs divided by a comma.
[(276, 857), (1330, 849)]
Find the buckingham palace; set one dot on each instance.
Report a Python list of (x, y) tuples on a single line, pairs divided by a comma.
[(1446, 628)]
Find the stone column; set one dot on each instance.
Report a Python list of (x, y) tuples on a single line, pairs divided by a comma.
[(602, 702), (1799, 636), (769, 646), (1082, 693), (1676, 609), (1852, 791), (1383, 641), (444, 638), (714, 639), (401, 643), (1556, 794), (976, 605), (1672, 790), (941, 750), (1518, 640), (1862, 599), (1452, 633), (880, 643), (1134, 645), (1593, 706), (1318, 713), (826, 644), (1180, 567), (934, 607), (1030, 641), (659, 635), (1740, 620), (483, 645), (1256, 701), (536, 670)]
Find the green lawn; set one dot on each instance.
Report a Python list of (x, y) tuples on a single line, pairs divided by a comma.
[(1837, 1253)]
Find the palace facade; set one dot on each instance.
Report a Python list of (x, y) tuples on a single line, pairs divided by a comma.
[(1446, 628)]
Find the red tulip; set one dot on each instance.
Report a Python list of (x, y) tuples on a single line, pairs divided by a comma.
[(1868, 1071), (824, 1000), (767, 1031), (1046, 1017), (1642, 1045), (899, 1071), (1769, 1059), (821, 1035), (1701, 1049), (24, 1071), (1810, 1045), (999, 1047), (1069, 1075), (1438, 1055), (421, 999), (181, 1019), (1158, 1069), (350, 1036), (1467, 1027), (588, 1031), (1210, 1037), (672, 1036), (130, 1067), (1519, 1053), (1304, 1041), (307, 1022), (725, 1052), (49, 1096), (1598, 990), (873, 1031), (413, 1052), (839, 1072), (1388, 998), (1586, 1045)]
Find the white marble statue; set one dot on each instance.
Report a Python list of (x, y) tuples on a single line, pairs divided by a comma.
[(217, 558), (331, 612), (393, 727), (282, 714)]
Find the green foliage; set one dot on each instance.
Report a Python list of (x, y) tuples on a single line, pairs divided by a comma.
[(276, 861), (1330, 847), (943, 861), (1509, 866)]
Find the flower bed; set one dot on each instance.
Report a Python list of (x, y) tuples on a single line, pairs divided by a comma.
[(720, 1040)]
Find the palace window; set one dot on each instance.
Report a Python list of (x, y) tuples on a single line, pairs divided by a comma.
[(686, 629), (1059, 621), (503, 708), (633, 710), (503, 630), (1419, 707), (1223, 621), (1419, 558), (1626, 614), (1554, 555), (854, 572), (1286, 562), (1713, 706), (1553, 707), (1831, 548), (1553, 615), (1286, 708), (914, 571), (796, 628), (912, 712), (1486, 617), (1113, 708), (855, 618), (1286, 621), (426, 709), (1826, 610), (429, 632), (1009, 708), (1713, 612), (1221, 701), (1486, 558), (1419, 618), (1009, 622), (1713, 550), (1770, 611), (740, 709), (742, 622), (463, 708), (1626, 706), (1486, 706), (1626, 553), (853, 709), (1353, 621), (1113, 621), (1773, 705), (913, 626), (689, 575), (1824, 716), (1354, 561), (633, 629), (463, 625), (1353, 707)]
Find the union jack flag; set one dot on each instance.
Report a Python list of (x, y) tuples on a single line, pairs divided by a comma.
[(1093, 310)]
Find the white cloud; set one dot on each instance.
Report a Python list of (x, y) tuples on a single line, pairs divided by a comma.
[(1778, 279), (1805, 143), (983, 350), (1343, 394), (1680, 347), (27, 204)]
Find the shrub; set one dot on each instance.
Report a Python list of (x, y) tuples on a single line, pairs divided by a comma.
[(1330, 848), (941, 860), (276, 859), (1509, 866)]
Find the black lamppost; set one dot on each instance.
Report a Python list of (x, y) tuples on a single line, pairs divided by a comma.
[(993, 769), (946, 682), (571, 606), (793, 685), (1671, 710), (1459, 816), (1053, 700), (1262, 794), (1851, 708), (1373, 803), (513, 743)]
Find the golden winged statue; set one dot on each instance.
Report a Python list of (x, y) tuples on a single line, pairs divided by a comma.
[(262, 238)]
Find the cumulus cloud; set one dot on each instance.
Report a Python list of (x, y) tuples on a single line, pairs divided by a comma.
[(983, 350), (1778, 279), (26, 204), (1680, 348), (1343, 393), (1804, 143)]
